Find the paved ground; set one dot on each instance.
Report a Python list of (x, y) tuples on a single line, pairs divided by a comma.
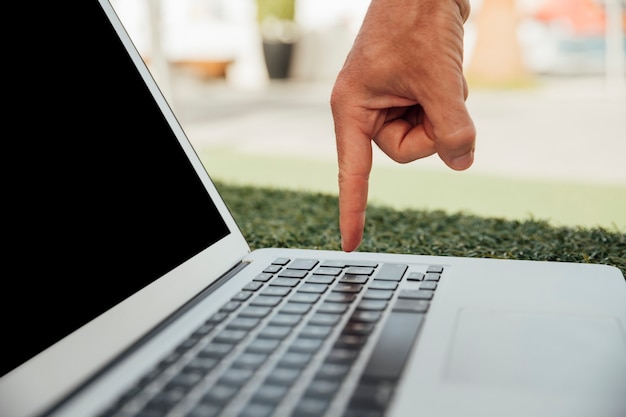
[(564, 128)]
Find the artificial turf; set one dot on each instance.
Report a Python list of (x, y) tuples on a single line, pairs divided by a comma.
[(273, 217)]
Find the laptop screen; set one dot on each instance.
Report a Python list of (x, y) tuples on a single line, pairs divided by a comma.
[(104, 200)]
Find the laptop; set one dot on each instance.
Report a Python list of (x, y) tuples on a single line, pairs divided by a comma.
[(136, 294)]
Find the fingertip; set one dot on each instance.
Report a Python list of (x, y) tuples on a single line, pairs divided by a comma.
[(462, 162), (352, 231), (456, 144), (348, 244)]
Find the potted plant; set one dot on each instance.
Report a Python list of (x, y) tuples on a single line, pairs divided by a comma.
[(279, 32)]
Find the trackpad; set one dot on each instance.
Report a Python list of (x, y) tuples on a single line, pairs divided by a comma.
[(538, 351)]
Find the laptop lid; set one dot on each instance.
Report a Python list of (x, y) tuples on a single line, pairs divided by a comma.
[(115, 222)]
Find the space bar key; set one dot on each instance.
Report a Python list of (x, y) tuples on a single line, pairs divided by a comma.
[(393, 347)]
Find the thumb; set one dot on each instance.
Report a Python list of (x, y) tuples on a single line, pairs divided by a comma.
[(451, 127)]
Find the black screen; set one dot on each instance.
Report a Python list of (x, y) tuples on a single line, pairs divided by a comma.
[(101, 199)]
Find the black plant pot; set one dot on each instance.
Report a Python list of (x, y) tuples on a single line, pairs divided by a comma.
[(277, 59)]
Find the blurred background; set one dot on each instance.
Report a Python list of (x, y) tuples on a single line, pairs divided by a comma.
[(250, 82)]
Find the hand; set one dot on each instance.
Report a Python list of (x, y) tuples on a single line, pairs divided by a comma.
[(402, 86)]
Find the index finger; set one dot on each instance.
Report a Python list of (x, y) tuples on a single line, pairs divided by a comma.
[(354, 152)]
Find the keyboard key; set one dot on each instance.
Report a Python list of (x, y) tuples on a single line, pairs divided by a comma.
[(315, 332), (285, 282), (184, 380), (347, 288), (338, 297), (432, 276), (363, 413), (187, 344), (310, 407), (392, 348), (295, 308), (162, 402), (215, 350), (313, 288), (360, 270), (383, 285), (252, 286), (230, 336), (324, 319), (294, 360), (391, 272), (325, 270), (263, 345), (272, 269), (302, 297), (358, 328), (230, 306), (305, 345), (169, 360), (250, 360), (241, 296), (276, 291), (281, 261), (304, 264), (263, 277), (415, 276), (415, 306), (205, 410), (274, 332), (372, 305), (349, 341), (354, 279), (416, 294), (251, 311), (369, 398), (203, 330), (270, 394), (256, 409), (341, 355), (293, 273), (283, 376), (333, 308), (219, 395), (320, 388), (428, 285), (366, 316), (378, 294), (202, 365), (285, 320), (435, 268), (243, 323), (236, 376), (320, 279), (266, 301), (332, 371)]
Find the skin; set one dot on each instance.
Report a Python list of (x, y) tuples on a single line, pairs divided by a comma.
[(401, 87)]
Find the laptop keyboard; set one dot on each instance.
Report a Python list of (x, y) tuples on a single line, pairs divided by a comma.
[(304, 338)]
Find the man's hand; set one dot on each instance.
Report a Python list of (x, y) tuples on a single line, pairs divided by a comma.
[(402, 86)]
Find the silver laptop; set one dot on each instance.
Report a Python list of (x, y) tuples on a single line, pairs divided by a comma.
[(146, 299)]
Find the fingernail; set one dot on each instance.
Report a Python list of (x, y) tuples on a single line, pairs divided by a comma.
[(463, 161)]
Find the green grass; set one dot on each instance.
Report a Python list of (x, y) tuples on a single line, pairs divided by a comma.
[(404, 187), (271, 217)]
